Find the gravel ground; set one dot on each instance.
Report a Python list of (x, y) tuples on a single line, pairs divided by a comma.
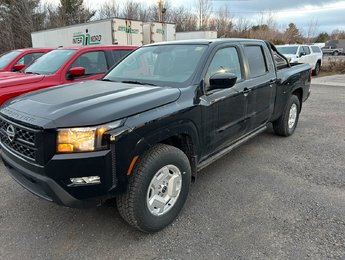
[(272, 198)]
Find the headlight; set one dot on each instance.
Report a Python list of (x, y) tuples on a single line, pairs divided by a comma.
[(83, 139)]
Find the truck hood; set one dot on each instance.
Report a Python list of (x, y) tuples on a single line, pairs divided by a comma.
[(9, 79), (87, 103)]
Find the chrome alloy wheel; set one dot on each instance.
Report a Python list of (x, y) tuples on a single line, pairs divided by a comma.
[(164, 190), (292, 115)]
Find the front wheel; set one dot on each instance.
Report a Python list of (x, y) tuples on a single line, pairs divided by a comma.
[(286, 124), (157, 190)]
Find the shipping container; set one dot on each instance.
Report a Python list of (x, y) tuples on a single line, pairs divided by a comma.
[(196, 35), (109, 31)]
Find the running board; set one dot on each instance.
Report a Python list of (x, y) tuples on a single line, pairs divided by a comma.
[(219, 155)]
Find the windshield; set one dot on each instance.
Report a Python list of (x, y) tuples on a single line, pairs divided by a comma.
[(168, 65), (50, 62), (287, 49), (6, 58)]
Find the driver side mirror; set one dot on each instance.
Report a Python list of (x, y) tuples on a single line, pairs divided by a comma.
[(302, 54), (222, 81), (76, 72), (18, 67)]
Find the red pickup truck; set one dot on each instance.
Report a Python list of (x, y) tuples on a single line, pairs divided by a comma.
[(62, 66), (17, 59)]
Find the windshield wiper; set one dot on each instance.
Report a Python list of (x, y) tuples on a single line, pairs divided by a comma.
[(107, 80), (138, 82), (30, 72)]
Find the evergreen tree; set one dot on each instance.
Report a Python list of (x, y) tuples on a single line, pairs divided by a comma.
[(73, 12)]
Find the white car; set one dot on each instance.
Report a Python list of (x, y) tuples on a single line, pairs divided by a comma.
[(303, 54)]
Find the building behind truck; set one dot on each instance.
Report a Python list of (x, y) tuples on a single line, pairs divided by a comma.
[(110, 31)]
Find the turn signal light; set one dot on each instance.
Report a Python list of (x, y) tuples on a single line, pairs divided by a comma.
[(63, 148)]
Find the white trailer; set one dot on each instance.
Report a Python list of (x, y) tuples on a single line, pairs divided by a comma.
[(159, 32), (109, 31), (196, 35)]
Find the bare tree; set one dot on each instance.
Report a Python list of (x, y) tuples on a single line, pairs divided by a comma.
[(108, 10), (224, 22), (131, 10), (184, 19), (312, 30), (204, 9), (242, 27)]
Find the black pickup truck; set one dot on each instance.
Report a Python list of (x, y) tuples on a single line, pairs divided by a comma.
[(142, 132)]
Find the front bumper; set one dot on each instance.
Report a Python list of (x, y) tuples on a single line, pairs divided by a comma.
[(51, 182)]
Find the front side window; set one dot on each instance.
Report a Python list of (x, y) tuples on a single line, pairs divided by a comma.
[(50, 62), (306, 50), (224, 61), (7, 58), (256, 60), (166, 65), (26, 59), (94, 62)]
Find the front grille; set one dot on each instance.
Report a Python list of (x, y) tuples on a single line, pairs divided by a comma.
[(19, 139)]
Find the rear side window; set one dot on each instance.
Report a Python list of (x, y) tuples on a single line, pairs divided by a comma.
[(256, 60), (306, 50), (94, 62), (119, 54), (316, 49)]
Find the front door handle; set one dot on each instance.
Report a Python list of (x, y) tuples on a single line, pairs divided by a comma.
[(246, 91), (272, 82)]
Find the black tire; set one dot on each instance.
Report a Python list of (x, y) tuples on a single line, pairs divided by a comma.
[(132, 204), (336, 53), (316, 71), (281, 125)]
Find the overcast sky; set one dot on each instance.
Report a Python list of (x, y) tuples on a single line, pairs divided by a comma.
[(329, 15)]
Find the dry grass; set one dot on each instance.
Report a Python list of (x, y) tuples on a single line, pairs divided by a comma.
[(334, 66)]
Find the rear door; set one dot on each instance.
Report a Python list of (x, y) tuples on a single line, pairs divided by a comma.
[(306, 57), (260, 84)]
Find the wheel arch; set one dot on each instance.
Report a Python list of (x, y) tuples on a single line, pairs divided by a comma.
[(299, 93), (182, 135)]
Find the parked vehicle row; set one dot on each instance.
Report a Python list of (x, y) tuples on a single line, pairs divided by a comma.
[(332, 50), (62, 66), (17, 59), (144, 130), (310, 54)]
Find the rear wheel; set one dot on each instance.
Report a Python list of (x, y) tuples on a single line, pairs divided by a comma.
[(157, 190), (286, 124), (335, 53), (316, 71)]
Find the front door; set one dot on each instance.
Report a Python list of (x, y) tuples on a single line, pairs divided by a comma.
[(226, 108)]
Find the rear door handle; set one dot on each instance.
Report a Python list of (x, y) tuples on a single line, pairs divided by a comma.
[(246, 91)]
